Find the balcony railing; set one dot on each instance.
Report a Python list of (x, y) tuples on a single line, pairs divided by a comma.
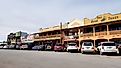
[(53, 36), (114, 32), (49, 36), (101, 33), (41, 37), (72, 37), (87, 34)]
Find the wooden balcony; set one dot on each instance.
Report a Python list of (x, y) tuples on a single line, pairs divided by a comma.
[(101, 33), (48, 37), (54, 36), (92, 36), (87, 34), (115, 32), (73, 37)]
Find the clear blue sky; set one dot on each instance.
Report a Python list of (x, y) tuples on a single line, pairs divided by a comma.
[(30, 15)]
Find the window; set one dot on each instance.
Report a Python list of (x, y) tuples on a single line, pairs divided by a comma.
[(100, 28), (88, 30), (115, 27), (87, 44), (108, 44), (72, 44)]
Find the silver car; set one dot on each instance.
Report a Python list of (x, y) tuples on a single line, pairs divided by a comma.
[(87, 47)]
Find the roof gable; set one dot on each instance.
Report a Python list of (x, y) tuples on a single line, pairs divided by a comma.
[(75, 23)]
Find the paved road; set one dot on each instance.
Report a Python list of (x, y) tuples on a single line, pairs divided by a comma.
[(42, 59)]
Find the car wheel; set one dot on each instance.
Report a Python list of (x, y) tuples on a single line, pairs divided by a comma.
[(82, 52), (98, 51), (67, 50), (101, 53), (64, 50), (38, 49), (45, 49), (119, 51), (79, 51)]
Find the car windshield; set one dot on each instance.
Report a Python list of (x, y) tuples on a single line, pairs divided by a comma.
[(40, 45), (87, 44), (36, 46), (108, 44), (72, 44), (49, 44), (58, 45)]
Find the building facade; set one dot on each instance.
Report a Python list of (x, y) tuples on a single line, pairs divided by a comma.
[(16, 38), (63, 33), (104, 27)]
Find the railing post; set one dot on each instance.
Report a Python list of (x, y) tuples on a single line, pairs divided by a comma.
[(79, 37), (94, 34), (94, 31), (108, 31), (94, 43)]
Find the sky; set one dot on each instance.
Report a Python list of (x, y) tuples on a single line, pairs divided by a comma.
[(30, 15)]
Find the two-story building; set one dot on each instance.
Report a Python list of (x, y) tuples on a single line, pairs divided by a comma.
[(63, 33), (16, 38), (104, 27)]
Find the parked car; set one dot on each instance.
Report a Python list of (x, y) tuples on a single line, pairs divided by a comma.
[(87, 47), (59, 47), (107, 47), (49, 46), (24, 46), (12, 46), (5, 47), (17, 47), (72, 47), (1, 46), (38, 47)]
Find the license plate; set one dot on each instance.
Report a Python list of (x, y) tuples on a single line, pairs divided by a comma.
[(109, 47), (87, 47)]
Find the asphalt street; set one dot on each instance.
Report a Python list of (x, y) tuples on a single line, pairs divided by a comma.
[(48, 59)]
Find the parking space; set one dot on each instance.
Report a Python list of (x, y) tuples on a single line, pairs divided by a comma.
[(46, 59)]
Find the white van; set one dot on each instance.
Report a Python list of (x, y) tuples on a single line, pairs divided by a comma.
[(107, 47), (87, 47)]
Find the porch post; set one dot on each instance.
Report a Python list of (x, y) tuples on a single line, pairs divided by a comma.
[(107, 32), (94, 34), (93, 31), (79, 37)]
